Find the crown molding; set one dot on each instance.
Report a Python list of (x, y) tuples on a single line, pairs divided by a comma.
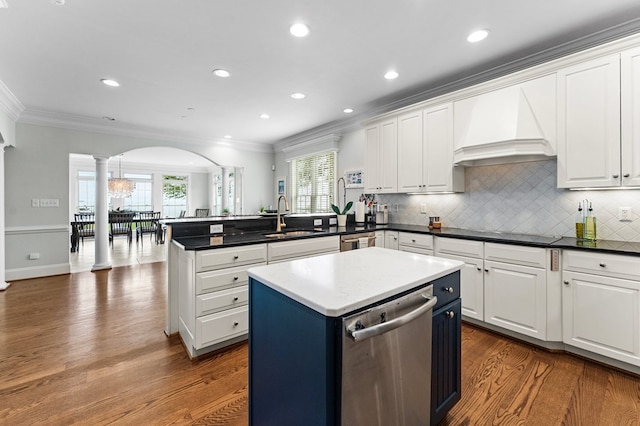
[(96, 125), (9, 104)]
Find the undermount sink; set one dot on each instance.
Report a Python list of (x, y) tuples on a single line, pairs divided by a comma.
[(286, 234)]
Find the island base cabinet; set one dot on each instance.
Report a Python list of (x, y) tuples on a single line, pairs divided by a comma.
[(446, 383), (602, 315)]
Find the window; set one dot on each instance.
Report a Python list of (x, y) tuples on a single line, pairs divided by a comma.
[(312, 182), (174, 195), (141, 200), (230, 196), (86, 191)]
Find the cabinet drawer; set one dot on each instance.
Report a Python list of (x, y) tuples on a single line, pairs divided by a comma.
[(208, 260), (457, 247), (416, 240), (207, 282), (602, 264), (518, 255), (215, 328), (220, 300), (411, 249), (446, 289), (303, 248)]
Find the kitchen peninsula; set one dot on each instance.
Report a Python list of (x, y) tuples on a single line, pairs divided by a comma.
[(343, 332)]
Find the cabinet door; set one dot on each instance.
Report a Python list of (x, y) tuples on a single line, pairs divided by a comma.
[(391, 240), (372, 159), (389, 156), (516, 298), (445, 360), (438, 171), (589, 124), (471, 285), (380, 239), (630, 74), (602, 315), (410, 174)]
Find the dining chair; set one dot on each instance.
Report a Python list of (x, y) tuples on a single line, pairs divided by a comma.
[(147, 223), (202, 212), (85, 225), (120, 223)]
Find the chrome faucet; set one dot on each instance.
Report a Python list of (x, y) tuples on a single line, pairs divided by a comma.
[(344, 191), (281, 223)]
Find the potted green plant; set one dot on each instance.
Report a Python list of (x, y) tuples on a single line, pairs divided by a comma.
[(342, 215)]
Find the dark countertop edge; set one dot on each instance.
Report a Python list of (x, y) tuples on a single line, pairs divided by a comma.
[(567, 243)]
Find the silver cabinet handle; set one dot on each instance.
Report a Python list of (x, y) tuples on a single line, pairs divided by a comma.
[(626, 175), (616, 176), (486, 270), (235, 299), (449, 289), (235, 278), (235, 323), (478, 268), (603, 265), (566, 282), (236, 257), (451, 314), (376, 330)]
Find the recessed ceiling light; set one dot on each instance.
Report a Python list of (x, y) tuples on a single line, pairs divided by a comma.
[(264, 116), (299, 30), (219, 72), (347, 110), (391, 75), (477, 36), (191, 109), (298, 95), (108, 118), (58, 2), (227, 136), (109, 82), (3, 4)]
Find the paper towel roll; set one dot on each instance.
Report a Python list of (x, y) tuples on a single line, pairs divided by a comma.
[(363, 242), (360, 212)]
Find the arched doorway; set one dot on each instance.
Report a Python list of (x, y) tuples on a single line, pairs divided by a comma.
[(167, 180)]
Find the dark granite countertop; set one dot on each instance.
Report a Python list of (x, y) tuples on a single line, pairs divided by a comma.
[(206, 242)]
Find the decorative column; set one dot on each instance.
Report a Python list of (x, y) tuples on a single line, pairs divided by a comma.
[(225, 188), (3, 284), (102, 215)]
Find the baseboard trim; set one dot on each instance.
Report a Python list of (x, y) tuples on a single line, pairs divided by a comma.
[(37, 271)]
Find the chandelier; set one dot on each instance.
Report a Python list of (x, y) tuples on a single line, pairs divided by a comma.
[(119, 187)]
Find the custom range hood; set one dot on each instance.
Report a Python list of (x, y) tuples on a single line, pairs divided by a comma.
[(509, 125)]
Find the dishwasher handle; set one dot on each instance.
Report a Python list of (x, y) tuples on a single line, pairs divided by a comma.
[(376, 330)]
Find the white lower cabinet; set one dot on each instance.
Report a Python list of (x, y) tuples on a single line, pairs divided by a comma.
[(601, 304), (515, 298), (391, 240), (415, 243), (380, 239), (288, 250), (507, 286), (213, 295)]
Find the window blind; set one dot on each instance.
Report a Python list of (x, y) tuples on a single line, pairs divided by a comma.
[(313, 182)]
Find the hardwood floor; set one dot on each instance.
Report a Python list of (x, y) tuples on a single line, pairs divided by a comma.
[(121, 253), (88, 348)]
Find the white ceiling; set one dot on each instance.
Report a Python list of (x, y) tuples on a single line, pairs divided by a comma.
[(162, 52)]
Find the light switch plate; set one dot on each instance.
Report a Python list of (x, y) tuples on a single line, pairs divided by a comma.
[(624, 214), (333, 221), (216, 229), (317, 222)]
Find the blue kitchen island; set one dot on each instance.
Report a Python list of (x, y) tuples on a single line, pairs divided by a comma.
[(346, 338)]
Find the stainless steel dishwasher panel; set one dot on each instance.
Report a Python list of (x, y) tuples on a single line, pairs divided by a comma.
[(386, 362)]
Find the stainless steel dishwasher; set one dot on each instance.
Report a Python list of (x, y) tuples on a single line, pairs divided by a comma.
[(386, 362)]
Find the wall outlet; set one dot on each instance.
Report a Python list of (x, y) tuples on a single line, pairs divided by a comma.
[(216, 229), (624, 214), (423, 208), (333, 221), (34, 256), (317, 222)]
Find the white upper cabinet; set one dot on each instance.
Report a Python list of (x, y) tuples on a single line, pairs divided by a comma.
[(630, 77), (425, 151), (589, 124), (381, 157), (510, 124)]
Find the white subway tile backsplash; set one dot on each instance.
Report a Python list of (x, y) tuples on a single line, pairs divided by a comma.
[(521, 198)]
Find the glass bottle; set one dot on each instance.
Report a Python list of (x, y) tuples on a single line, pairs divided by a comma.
[(590, 225), (580, 223)]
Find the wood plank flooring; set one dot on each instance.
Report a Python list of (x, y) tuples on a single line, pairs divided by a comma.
[(88, 348)]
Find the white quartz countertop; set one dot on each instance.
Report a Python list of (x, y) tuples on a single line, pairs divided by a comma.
[(335, 284)]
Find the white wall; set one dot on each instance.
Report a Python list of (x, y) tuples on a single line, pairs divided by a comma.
[(38, 167), (7, 129)]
